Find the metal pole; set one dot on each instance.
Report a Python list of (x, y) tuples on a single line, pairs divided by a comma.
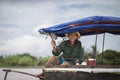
[(95, 46), (103, 46)]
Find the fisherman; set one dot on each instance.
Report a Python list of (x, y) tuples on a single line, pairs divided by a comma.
[(71, 50)]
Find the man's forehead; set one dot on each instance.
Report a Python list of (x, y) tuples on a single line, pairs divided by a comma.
[(72, 33)]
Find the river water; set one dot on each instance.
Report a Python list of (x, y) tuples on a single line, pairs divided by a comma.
[(19, 76)]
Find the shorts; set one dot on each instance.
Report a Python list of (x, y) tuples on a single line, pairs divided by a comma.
[(60, 60)]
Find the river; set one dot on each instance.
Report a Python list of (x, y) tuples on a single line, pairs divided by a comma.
[(19, 76)]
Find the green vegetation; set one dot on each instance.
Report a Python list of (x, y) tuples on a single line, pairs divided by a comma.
[(110, 57), (22, 60)]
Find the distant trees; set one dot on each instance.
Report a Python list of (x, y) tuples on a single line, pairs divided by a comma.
[(110, 57), (19, 60), (2, 61), (91, 53)]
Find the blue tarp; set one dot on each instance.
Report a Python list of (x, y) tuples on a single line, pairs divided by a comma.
[(86, 26)]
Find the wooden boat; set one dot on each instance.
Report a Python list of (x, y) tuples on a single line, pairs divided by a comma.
[(87, 26), (77, 72), (99, 72)]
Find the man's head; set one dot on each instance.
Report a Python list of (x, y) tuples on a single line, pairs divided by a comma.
[(73, 36)]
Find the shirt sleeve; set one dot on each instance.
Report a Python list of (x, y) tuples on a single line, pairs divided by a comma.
[(80, 57), (59, 49)]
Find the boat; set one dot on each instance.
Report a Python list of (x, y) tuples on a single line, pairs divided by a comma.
[(93, 25)]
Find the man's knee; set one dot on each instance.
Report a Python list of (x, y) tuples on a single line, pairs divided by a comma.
[(54, 58)]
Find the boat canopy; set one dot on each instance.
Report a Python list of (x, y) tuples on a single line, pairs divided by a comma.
[(86, 26)]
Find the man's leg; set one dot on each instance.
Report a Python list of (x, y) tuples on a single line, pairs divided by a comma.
[(64, 64), (52, 60)]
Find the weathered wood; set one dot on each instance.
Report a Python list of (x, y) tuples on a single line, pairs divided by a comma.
[(86, 66), (81, 76), (89, 70), (83, 72)]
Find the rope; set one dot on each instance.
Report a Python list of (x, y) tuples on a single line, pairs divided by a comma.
[(20, 62)]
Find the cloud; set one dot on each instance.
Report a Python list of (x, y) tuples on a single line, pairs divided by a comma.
[(21, 19), (26, 43)]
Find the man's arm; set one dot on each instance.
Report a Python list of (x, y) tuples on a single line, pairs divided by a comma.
[(53, 46)]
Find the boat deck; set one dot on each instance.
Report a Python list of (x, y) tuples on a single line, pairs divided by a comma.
[(87, 66), (83, 72)]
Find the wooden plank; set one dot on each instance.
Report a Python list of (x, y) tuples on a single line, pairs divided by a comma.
[(86, 66), (81, 76), (89, 70), (83, 72)]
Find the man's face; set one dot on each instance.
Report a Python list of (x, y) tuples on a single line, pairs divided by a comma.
[(72, 37)]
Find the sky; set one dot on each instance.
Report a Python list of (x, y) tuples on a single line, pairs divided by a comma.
[(20, 21)]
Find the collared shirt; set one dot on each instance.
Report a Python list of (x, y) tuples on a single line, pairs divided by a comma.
[(70, 54)]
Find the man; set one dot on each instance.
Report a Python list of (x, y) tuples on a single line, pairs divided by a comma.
[(71, 49)]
